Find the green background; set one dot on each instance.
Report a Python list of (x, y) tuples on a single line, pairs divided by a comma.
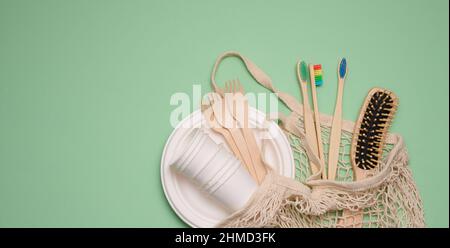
[(85, 89)]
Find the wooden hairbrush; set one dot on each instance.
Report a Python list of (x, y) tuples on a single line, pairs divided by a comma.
[(369, 137), (371, 130)]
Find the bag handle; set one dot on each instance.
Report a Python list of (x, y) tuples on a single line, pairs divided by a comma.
[(260, 77), (264, 80)]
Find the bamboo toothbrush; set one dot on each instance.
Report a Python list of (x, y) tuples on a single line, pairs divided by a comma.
[(310, 133), (315, 74), (335, 135)]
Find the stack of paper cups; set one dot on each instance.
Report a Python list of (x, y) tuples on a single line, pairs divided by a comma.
[(214, 169)]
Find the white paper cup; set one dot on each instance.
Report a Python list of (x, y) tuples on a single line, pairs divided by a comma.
[(214, 169), (197, 156), (201, 157), (227, 181), (236, 190), (221, 175), (216, 166), (187, 148), (185, 143)]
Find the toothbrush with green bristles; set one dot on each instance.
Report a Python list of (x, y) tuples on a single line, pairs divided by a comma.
[(310, 132)]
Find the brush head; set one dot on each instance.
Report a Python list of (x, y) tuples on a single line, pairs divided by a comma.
[(343, 68), (303, 71), (318, 75), (372, 127)]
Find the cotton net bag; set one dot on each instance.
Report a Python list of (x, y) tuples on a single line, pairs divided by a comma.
[(387, 198)]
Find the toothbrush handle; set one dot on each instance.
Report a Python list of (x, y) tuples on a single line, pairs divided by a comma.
[(335, 136), (309, 126), (317, 120), (349, 218)]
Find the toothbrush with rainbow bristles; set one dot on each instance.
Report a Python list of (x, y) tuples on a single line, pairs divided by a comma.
[(315, 74), (336, 126)]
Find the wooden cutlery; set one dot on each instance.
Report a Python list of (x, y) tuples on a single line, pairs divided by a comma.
[(237, 104), (225, 119), (227, 113)]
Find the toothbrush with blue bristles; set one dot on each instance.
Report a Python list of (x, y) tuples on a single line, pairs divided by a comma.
[(336, 126)]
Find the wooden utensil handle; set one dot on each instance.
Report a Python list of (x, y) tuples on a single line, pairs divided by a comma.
[(335, 136), (233, 147), (243, 150), (354, 219), (255, 154), (351, 219), (310, 131), (318, 129)]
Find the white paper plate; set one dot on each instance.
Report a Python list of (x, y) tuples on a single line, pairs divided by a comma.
[(192, 205)]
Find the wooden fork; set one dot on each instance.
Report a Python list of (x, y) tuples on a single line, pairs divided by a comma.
[(237, 104), (225, 119), (212, 123)]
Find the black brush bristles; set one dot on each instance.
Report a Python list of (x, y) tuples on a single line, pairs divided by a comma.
[(371, 128)]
